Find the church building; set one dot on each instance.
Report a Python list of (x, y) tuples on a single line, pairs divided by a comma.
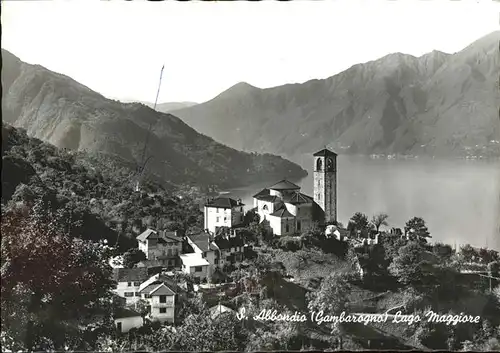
[(287, 211)]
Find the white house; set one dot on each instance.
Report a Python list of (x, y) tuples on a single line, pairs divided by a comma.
[(195, 265), (203, 245), (223, 212), (161, 245), (128, 282), (285, 208), (163, 295), (161, 302), (127, 319)]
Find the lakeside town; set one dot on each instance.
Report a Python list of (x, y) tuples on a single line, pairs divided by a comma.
[(244, 177), (188, 277), (210, 262)]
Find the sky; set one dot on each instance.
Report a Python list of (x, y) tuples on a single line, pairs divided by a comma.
[(118, 48)]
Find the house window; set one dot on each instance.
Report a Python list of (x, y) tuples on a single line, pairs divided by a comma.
[(163, 310), (204, 254), (287, 227), (163, 298), (137, 294), (169, 252), (217, 219), (216, 261), (129, 284), (119, 326), (299, 225), (264, 208), (129, 294), (137, 284), (147, 296), (225, 219), (217, 210), (197, 269)]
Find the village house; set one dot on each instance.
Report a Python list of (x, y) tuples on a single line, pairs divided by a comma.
[(161, 246), (127, 319), (128, 282), (222, 249), (223, 212), (203, 245), (230, 249), (193, 264), (162, 294)]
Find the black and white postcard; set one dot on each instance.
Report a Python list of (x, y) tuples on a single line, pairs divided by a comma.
[(250, 176)]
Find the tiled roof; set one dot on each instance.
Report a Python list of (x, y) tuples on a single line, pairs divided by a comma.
[(130, 274), (284, 185), (282, 212), (224, 243), (144, 235), (193, 260), (324, 153), (162, 289), (219, 309), (297, 198), (122, 313), (159, 281), (161, 235), (224, 202), (201, 241), (268, 198), (263, 192)]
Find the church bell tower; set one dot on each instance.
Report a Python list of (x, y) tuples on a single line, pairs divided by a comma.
[(325, 183)]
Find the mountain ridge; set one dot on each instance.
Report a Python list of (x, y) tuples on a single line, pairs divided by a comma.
[(437, 104), (59, 110)]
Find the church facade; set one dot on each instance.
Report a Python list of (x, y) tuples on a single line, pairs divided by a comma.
[(287, 211)]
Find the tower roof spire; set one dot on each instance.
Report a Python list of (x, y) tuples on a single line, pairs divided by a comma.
[(324, 153)]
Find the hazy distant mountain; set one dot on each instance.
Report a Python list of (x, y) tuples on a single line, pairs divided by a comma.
[(170, 106), (436, 104), (57, 109), (165, 107)]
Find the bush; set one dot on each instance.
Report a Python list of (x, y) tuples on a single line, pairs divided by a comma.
[(288, 243)]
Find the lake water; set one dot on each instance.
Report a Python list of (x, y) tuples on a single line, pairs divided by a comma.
[(458, 199)]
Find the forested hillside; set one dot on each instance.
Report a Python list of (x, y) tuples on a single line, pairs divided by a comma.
[(94, 191)]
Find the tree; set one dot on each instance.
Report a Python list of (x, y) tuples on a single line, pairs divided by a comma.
[(443, 251), (494, 269), (52, 284), (417, 229), (496, 293), (331, 298), (468, 253), (142, 307), (380, 219), (358, 224), (410, 265), (251, 217), (132, 257)]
